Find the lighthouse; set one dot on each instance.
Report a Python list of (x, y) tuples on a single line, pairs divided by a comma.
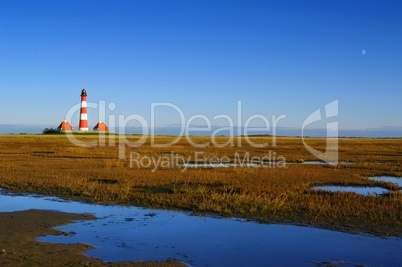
[(83, 112)]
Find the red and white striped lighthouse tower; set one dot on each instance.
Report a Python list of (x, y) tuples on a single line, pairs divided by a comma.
[(83, 112)]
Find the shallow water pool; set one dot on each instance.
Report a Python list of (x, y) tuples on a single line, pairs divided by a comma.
[(361, 190), (395, 180)]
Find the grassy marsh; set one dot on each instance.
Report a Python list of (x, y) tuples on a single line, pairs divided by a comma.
[(52, 165)]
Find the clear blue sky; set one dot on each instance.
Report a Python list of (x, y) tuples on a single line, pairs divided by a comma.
[(277, 57)]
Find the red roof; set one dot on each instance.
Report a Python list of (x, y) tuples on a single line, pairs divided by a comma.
[(101, 126), (65, 126)]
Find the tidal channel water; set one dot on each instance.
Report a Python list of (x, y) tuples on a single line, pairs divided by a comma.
[(131, 233)]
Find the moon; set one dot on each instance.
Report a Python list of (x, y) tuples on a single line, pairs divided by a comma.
[(363, 52)]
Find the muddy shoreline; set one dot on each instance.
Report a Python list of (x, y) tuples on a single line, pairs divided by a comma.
[(18, 245)]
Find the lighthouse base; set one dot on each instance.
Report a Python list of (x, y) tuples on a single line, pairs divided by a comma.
[(83, 129)]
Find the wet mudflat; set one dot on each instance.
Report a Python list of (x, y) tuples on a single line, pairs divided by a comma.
[(134, 234), (17, 239)]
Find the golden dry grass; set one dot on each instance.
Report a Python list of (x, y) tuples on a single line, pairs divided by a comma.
[(52, 165)]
